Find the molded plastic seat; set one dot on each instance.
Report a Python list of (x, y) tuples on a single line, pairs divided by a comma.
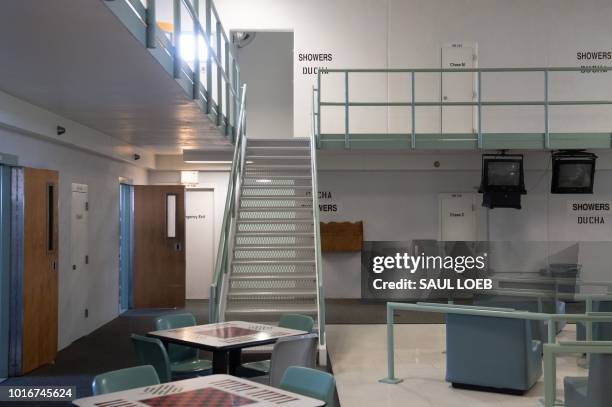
[(310, 383), (291, 321), (151, 351), (124, 379), (290, 351), (492, 352), (184, 360), (594, 390)]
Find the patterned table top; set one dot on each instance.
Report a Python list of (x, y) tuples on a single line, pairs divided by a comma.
[(226, 334), (210, 391)]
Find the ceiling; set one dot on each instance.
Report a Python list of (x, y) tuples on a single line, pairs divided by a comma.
[(76, 59)]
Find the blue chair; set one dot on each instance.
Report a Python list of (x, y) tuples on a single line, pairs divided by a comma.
[(310, 383), (184, 360), (291, 321), (539, 330), (594, 390), (492, 353), (124, 379), (151, 351), (602, 331)]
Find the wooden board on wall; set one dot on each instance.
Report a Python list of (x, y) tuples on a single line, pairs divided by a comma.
[(159, 260), (341, 236), (40, 268)]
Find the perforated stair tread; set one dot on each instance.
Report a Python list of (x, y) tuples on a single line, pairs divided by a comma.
[(273, 276), (247, 247), (238, 293), (285, 308)]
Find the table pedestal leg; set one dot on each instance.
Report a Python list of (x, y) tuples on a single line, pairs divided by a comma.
[(220, 362), (234, 360)]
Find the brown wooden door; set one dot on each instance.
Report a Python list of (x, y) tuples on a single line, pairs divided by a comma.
[(40, 268), (159, 240)]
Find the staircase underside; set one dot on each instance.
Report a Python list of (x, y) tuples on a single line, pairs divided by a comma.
[(77, 59)]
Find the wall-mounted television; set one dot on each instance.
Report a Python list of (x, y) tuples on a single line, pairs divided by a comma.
[(502, 180), (573, 172)]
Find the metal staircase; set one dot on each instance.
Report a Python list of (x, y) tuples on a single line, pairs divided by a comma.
[(274, 264), (269, 258)]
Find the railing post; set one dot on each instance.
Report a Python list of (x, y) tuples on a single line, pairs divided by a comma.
[(151, 24), (208, 56), (546, 117), (347, 143), (413, 112), (549, 377), (390, 379), (479, 95), (219, 75), (319, 104), (196, 53), (552, 331), (176, 6), (226, 117)]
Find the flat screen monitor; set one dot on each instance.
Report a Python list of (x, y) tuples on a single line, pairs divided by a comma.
[(573, 175)]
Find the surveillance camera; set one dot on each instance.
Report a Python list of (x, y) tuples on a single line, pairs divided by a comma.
[(60, 130), (136, 157)]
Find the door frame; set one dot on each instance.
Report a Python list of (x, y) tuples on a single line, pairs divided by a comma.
[(5, 239), (126, 245), (214, 228)]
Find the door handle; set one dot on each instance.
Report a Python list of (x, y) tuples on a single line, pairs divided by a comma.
[(54, 265), (178, 247)]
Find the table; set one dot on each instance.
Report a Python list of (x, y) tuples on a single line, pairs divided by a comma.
[(209, 391), (225, 340)]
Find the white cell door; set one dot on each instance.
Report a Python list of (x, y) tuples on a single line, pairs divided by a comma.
[(199, 242), (458, 217), (458, 87)]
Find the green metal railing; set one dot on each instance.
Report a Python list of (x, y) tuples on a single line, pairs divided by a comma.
[(317, 230), (218, 94), (230, 217), (550, 319), (409, 140), (550, 367)]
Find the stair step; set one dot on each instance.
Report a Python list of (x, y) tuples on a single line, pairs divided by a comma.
[(277, 167), (279, 187), (280, 309), (256, 177), (288, 147), (273, 247), (275, 261), (277, 209), (276, 221), (274, 234), (276, 197), (272, 276), (278, 157), (242, 293)]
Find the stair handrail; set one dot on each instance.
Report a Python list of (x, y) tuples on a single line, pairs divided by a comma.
[(317, 227), (222, 264)]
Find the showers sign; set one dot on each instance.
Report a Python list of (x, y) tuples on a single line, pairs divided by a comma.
[(313, 62), (590, 212)]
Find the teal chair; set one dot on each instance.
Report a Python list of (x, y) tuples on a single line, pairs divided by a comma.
[(124, 379), (290, 321), (310, 383), (184, 360), (151, 352)]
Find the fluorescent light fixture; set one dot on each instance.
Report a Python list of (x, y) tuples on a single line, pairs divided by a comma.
[(264, 181)]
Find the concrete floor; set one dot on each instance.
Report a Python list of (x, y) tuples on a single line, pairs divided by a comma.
[(359, 358)]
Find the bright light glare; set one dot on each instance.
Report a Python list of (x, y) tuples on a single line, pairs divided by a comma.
[(187, 47)]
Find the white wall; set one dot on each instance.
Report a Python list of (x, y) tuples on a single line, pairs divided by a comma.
[(97, 287), (410, 33), (267, 69), (396, 196)]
